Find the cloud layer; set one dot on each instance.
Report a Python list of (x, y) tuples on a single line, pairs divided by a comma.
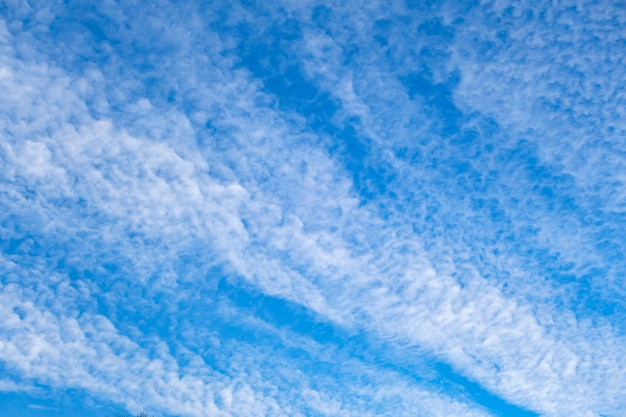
[(313, 209)]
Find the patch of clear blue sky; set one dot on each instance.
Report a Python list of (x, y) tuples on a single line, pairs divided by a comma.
[(47, 403)]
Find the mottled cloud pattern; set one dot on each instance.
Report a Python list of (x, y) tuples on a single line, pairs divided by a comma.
[(312, 208)]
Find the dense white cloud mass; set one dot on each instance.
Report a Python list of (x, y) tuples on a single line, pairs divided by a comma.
[(313, 209)]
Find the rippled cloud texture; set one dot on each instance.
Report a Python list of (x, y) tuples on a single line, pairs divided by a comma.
[(309, 208)]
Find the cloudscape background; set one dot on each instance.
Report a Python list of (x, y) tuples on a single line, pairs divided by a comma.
[(310, 208)]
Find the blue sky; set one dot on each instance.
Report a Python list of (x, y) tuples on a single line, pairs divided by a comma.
[(312, 208)]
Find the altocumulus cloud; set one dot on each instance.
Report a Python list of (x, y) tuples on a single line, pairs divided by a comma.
[(312, 208)]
